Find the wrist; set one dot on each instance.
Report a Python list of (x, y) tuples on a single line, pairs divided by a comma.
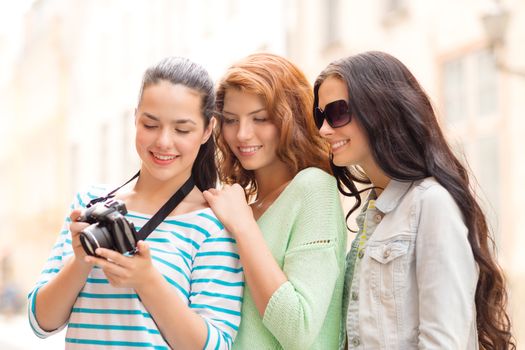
[(80, 266), (151, 279), (243, 227)]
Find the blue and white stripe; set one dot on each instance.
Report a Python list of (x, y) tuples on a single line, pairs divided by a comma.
[(194, 254)]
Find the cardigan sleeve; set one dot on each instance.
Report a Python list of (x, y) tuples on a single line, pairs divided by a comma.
[(313, 264)]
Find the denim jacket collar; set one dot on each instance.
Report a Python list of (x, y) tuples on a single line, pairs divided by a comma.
[(390, 197)]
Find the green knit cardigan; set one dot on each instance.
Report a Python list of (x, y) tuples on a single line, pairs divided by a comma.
[(306, 233)]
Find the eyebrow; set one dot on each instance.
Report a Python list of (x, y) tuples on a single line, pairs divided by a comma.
[(254, 112), (177, 121)]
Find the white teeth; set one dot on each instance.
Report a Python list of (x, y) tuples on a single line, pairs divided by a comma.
[(161, 157), (249, 149), (339, 144)]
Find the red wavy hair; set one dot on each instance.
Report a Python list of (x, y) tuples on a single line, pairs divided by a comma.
[(288, 98)]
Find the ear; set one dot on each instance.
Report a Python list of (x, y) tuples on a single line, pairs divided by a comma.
[(209, 130)]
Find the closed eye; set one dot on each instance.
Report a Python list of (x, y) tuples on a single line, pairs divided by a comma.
[(227, 120)]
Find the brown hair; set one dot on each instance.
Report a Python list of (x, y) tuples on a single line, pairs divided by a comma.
[(408, 144), (288, 98), (182, 71)]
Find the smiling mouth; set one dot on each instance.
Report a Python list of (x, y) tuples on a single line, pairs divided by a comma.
[(339, 144), (163, 157), (250, 149)]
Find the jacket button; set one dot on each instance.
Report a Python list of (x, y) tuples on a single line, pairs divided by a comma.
[(361, 254), (355, 296), (386, 253), (378, 218), (356, 341)]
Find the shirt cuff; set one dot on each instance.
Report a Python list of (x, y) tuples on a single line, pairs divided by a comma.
[(39, 332), (280, 310)]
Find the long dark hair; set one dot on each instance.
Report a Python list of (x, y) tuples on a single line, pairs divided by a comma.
[(408, 144), (179, 70)]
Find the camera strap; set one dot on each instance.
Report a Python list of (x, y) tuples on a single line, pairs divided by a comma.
[(162, 213), (166, 209), (112, 193)]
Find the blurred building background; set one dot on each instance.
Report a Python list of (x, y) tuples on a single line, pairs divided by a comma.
[(70, 71)]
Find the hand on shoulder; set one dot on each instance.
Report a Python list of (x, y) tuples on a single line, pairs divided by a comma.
[(230, 206)]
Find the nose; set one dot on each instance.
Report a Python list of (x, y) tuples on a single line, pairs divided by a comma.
[(164, 138), (245, 131), (326, 130)]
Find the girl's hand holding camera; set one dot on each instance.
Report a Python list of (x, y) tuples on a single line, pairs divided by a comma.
[(76, 227), (133, 271)]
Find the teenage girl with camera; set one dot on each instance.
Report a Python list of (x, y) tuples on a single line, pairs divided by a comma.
[(291, 237), (183, 286), (420, 273)]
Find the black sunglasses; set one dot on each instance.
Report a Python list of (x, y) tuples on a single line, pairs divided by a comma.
[(336, 113)]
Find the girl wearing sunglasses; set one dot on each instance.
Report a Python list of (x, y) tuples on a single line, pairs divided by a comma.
[(420, 273), (290, 234)]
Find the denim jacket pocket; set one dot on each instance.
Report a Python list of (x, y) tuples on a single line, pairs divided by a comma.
[(388, 267)]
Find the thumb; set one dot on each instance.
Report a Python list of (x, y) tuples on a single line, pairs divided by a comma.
[(75, 214), (143, 249), (208, 196)]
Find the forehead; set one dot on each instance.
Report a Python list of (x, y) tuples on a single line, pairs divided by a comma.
[(332, 89), (165, 99), (236, 100)]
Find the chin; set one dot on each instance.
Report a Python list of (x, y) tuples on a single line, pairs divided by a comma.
[(164, 174), (248, 166), (338, 162)]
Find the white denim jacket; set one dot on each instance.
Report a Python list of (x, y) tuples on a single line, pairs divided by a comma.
[(417, 276)]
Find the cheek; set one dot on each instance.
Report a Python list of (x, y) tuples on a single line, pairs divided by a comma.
[(141, 140), (360, 147), (228, 134), (272, 135), (361, 140), (189, 144)]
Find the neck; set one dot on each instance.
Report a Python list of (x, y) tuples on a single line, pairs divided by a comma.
[(378, 178), (269, 182), (155, 189)]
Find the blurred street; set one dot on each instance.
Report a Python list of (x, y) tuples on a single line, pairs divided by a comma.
[(16, 334), (70, 72)]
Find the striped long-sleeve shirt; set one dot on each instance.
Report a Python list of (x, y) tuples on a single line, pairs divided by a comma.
[(194, 254)]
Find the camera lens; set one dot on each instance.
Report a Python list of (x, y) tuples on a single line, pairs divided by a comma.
[(95, 236), (86, 244)]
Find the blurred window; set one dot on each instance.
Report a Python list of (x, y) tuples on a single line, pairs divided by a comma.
[(470, 87), (488, 176), (128, 149), (75, 166), (332, 32), (472, 115), (104, 152), (393, 6), (394, 11), (487, 96), (454, 90)]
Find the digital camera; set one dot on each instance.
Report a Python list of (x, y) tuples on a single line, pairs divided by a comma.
[(109, 228)]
